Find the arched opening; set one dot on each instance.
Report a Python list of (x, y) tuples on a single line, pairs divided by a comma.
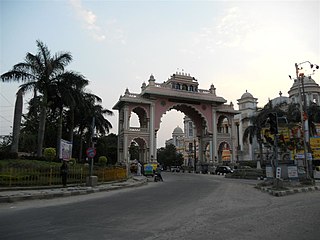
[(190, 143), (224, 153), (169, 121), (223, 126), (138, 150), (138, 119)]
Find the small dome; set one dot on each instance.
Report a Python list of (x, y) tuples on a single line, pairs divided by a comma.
[(246, 95), (177, 131), (306, 80)]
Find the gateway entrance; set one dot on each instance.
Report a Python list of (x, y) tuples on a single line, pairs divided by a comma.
[(211, 116)]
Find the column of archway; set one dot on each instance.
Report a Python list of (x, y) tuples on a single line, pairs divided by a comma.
[(155, 146), (214, 134), (200, 147), (152, 133), (120, 126), (126, 126), (232, 138)]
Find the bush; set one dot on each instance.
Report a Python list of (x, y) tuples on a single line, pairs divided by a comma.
[(49, 154), (103, 161), (8, 155), (72, 161)]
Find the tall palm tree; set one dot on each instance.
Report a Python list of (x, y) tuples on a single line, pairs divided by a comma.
[(38, 71), (84, 114), (66, 92)]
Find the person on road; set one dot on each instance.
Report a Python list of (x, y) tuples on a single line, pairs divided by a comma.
[(158, 172), (64, 173)]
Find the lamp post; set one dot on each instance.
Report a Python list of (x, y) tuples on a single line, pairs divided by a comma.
[(303, 112)]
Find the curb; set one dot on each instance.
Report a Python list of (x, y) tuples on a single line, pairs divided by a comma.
[(72, 191), (281, 193)]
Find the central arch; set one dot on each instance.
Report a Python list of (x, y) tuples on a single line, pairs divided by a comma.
[(189, 110), (209, 113)]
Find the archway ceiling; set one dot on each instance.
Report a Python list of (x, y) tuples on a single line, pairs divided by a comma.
[(141, 142), (139, 111), (193, 114)]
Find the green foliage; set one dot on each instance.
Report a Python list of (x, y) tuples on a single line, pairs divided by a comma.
[(103, 161), (5, 143), (49, 154), (20, 163), (8, 155), (72, 161), (169, 156), (107, 146)]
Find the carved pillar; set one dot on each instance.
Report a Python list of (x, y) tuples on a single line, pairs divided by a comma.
[(125, 137), (152, 132), (214, 133)]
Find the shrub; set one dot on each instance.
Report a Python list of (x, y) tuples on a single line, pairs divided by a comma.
[(72, 161), (8, 155), (49, 153), (103, 161)]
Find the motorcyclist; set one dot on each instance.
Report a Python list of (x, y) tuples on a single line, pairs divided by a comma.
[(158, 173)]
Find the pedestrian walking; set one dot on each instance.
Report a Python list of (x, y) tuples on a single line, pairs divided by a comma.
[(139, 169), (64, 173)]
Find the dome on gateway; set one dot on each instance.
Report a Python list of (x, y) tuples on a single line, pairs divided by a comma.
[(246, 95), (178, 130)]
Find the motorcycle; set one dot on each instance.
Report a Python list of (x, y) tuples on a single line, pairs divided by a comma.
[(157, 178)]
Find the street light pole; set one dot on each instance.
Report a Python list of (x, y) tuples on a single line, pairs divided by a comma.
[(303, 112), (302, 120)]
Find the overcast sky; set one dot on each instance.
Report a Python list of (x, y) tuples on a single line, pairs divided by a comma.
[(235, 45)]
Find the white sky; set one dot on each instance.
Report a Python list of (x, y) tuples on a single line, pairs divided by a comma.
[(235, 45)]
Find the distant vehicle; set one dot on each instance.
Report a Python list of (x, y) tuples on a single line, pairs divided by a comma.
[(149, 169), (175, 169), (223, 170)]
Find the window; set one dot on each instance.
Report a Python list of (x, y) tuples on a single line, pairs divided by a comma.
[(190, 129)]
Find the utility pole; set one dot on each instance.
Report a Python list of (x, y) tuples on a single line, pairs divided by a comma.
[(304, 115)]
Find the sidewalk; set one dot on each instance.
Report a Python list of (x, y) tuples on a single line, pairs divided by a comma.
[(21, 194)]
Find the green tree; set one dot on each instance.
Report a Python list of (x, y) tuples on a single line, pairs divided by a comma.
[(107, 146), (39, 72), (67, 92), (257, 122), (168, 156)]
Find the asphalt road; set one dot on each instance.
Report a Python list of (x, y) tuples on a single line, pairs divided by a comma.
[(185, 206)]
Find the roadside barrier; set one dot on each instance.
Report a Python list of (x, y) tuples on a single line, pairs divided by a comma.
[(24, 177)]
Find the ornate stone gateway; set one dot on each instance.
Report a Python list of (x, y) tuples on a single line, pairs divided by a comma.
[(212, 117)]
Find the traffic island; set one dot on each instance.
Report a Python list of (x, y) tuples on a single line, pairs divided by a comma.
[(284, 188)]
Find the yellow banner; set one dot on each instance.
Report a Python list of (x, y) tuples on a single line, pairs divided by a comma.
[(315, 142)]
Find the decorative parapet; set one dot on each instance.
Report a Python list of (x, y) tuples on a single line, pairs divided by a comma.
[(137, 129)]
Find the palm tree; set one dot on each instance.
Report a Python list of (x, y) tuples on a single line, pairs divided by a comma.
[(88, 109), (66, 92), (254, 131), (38, 71), (258, 122)]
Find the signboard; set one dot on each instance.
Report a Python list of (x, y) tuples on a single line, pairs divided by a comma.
[(91, 152), (65, 150), (292, 172), (315, 147), (269, 172)]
